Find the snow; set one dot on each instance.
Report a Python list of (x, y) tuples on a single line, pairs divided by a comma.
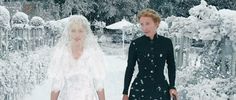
[(203, 11), (4, 17), (227, 13), (176, 25), (55, 26), (120, 25), (40, 92), (189, 86), (37, 21), (194, 87), (63, 22), (99, 24), (163, 25), (229, 22), (20, 18), (163, 28), (208, 33), (21, 72), (20, 26), (204, 23), (104, 39)]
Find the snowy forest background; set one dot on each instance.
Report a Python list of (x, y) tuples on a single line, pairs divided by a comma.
[(203, 34)]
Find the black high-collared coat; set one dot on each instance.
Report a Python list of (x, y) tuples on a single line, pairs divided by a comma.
[(151, 56)]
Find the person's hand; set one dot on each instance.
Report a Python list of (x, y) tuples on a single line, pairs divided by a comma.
[(125, 97), (173, 93)]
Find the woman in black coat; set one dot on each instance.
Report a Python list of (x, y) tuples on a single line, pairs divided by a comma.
[(151, 52)]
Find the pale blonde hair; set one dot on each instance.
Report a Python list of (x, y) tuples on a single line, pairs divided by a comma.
[(149, 13)]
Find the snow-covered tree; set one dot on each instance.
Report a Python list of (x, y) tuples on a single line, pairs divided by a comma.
[(216, 28), (4, 17), (20, 32), (37, 21), (115, 10), (37, 37), (83, 7), (208, 24), (53, 31), (223, 4), (4, 30), (20, 18)]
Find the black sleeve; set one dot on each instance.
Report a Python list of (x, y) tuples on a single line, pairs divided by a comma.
[(130, 67), (171, 65)]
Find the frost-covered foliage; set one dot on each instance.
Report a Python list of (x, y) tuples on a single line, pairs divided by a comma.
[(99, 24), (54, 26), (20, 18), (53, 31), (216, 28), (18, 37), (22, 68), (79, 7), (193, 83), (37, 21), (204, 90), (209, 21), (106, 10), (163, 29), (203, 11), (4, 17), (181, 26), (21, 71), (210, 25), (19, 34), (204, 23), (4, 29), (133, 31), (229, 23)]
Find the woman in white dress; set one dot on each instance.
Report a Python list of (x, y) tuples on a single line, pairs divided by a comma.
[(77, 65)]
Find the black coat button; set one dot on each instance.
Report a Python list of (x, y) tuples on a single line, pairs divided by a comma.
[(152, 48)]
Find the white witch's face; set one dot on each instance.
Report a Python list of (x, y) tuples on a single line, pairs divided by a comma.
[(77, 33)]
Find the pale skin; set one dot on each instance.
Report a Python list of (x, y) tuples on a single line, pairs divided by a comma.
[(77, 34), (149, 27)]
